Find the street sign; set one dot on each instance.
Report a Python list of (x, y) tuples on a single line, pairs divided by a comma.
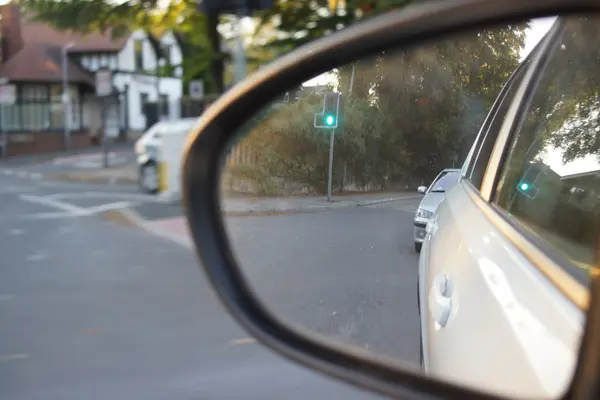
[(8, 94), (104, 84), (197, 90)]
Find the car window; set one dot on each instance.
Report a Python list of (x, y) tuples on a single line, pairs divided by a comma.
[(444, 182), (490, 131), (550, 181)]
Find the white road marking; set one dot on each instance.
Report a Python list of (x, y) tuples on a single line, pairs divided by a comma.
[(13, 357), (54, 203), (110, 195), (54, 215), (36, 257), (16, 232), (107, 207)]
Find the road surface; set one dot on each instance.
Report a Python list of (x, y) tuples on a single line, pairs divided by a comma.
[(94, 310)]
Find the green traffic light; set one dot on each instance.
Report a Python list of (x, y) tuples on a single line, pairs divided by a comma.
[(329, 120), (524, 186)]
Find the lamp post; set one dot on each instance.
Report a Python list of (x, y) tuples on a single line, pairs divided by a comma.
[(65, 94)]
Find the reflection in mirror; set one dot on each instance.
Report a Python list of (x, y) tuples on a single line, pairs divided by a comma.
[(320, 205)]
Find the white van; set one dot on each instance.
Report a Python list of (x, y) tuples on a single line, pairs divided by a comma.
[(146, 149)]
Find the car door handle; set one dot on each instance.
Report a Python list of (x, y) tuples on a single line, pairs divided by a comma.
[(440, 299)]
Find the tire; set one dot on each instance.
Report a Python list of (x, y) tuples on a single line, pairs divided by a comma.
[(418, 247), (148, 178)]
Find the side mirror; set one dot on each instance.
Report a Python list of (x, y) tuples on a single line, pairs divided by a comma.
[(328, 283), (422, 189)]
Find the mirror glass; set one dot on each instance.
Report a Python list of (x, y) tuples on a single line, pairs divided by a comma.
[(322, 201)]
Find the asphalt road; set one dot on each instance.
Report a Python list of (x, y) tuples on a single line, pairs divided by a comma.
[(348, 274), (90, 309)]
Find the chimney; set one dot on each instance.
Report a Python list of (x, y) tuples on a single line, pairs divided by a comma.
[(12, 40)]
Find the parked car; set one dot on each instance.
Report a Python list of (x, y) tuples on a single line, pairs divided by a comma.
[(147, 148), (506, 242), (434, 194), (507, 307)]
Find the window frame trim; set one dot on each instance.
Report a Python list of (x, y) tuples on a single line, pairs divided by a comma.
[(549, 263), (482, 135), (516, 114)]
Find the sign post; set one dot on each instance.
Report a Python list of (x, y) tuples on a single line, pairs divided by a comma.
[(329, 119), (104, 89)]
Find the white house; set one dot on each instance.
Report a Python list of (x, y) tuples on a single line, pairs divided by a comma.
[(35, 59), (134, 67)]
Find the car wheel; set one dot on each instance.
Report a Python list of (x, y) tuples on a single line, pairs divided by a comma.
[(149, 178), (418, 247)]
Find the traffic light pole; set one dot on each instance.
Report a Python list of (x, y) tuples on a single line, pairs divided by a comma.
[(330, 172), (331, 142)]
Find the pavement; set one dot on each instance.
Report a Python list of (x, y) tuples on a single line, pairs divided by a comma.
[(83, 166), (96, 309)]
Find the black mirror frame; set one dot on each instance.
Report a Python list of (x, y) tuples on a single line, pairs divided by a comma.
[(218, 125)]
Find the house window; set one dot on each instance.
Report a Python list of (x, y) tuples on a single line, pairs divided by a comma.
[(34, 107), (164, 105), (138, 46), (113, 62), (143, 101), (57, 110), (166, 51)]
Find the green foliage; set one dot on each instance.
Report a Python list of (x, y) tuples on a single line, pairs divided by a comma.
[(300, 21), (411, 113)]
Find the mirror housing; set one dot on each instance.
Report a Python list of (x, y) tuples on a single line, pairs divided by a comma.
[(215, 131), (422, 189)]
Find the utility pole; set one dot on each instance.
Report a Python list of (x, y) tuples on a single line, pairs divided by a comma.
[(65, 95), (332, 141), (330, 172)]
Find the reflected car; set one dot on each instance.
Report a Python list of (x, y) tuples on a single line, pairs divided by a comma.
[(434, 194)]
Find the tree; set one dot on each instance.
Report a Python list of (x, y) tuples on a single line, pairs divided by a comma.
[(204, 58), (411, 113)]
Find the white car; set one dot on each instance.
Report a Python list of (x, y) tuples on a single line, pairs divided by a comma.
[(507, 258), (147, 147), (434, 194)]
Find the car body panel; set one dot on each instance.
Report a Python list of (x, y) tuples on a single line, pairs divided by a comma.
[(147, 145), (501, 308)]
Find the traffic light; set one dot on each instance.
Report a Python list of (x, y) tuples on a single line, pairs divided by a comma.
[(329, 117), (528, 189)]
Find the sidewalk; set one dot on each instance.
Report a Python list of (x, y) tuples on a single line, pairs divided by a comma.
[(167, 220), (83, 167)]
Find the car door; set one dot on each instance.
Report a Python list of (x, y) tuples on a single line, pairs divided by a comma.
[(505, 269)]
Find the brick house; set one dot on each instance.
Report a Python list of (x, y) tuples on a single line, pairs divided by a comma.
[(32, 72)]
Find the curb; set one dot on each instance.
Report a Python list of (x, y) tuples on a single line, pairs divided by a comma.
[(308, 209), (133, 218)]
